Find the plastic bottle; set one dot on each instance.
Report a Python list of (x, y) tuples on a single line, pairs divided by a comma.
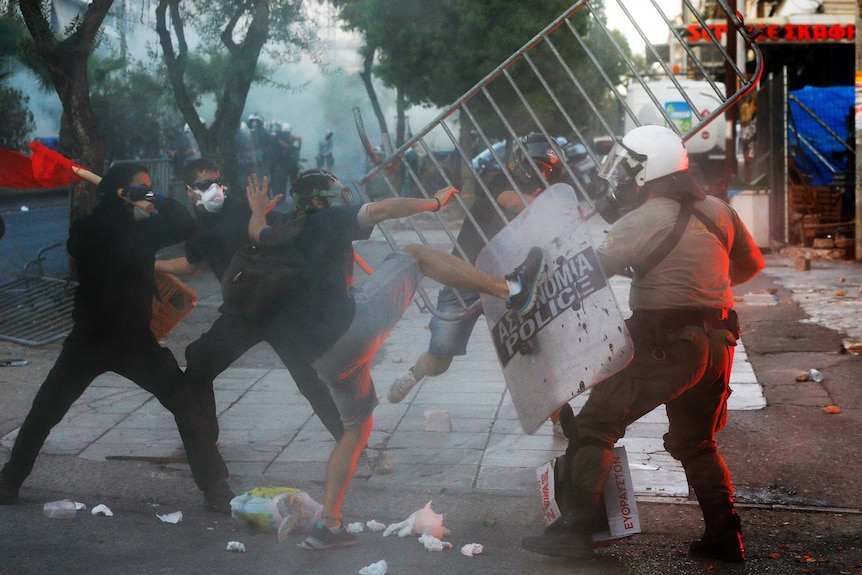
[(815, 375), (63, 509)]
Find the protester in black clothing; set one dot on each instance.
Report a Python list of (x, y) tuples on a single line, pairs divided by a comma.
[(114, 252), (223, 229)]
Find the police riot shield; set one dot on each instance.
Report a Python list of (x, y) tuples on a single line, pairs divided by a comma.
[(575, 335)]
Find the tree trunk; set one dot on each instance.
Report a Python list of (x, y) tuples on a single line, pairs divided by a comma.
[(219, 141), (66, 60), (367, 66)]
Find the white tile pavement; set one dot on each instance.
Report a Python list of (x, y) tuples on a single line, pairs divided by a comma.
[(267, 427)]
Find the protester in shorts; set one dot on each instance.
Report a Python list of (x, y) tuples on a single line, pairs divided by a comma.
[(339, 327), (449, 338)]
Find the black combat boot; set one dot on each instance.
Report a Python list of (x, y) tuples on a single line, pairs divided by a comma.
[(570, 535), (722, 539), (8, 491)]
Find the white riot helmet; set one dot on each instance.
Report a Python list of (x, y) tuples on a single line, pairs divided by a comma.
[(644, 154)]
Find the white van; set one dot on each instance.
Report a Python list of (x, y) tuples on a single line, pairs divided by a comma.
[(710, 140)]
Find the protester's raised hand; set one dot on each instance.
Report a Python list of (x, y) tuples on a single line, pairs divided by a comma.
[(258, 194), (445, 195)]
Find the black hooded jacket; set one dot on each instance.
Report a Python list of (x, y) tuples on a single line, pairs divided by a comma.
[(114, 256)]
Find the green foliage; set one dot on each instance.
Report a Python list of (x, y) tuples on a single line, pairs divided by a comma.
[(11, 32), (17, 124), (134, 108), (435, 51)]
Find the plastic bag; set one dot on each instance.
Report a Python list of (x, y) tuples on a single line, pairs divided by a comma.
[(418, 523), (282, 510)]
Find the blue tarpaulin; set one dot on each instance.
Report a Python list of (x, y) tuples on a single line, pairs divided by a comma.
[(816, 152)]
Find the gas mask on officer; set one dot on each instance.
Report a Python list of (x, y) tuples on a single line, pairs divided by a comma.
[(622, 194), (645, 154)]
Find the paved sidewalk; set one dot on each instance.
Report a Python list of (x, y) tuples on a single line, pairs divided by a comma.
[(268, 429)]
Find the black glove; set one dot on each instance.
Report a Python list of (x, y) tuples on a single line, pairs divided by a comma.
[(138, 193)]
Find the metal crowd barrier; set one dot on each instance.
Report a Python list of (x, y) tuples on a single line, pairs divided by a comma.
[(576, 72)]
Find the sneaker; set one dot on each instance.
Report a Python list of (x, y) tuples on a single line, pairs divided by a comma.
[(402, 386), (217, 498), (8, 492), (363, 469), (323, 537), (528, 275)]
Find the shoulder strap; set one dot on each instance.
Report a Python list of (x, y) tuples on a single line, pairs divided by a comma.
[(671, 240), (712, 227)]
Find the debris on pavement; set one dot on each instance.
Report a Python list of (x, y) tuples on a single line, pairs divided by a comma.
[(281, 510), (432, 543), (815, 375), (378, 568), (386, 464), (375, 525), (853, 348), (174, 517), (438, 421), (235, 546), (761, 298), (356, 527), (63, 509), (102, 509), (471, 549), (831, 409), (418, 523)]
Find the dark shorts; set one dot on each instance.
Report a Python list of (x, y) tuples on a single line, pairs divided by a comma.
[(346, 367)]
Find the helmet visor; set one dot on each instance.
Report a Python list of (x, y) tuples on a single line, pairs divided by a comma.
[(621, 165)]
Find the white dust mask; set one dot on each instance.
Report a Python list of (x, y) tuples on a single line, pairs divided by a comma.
[(212, 199)]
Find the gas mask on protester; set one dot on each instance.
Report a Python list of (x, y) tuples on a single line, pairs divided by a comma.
[(211, 195), (141, 198), (319, 184), (337, 195), (644, 154)]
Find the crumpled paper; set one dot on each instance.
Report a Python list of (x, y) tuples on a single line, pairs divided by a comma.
[(418, 523), (375, 525), (102, 509), (235, 546), (378, 568), (174, 517), (432, 543), (471, 549), (357, 527)]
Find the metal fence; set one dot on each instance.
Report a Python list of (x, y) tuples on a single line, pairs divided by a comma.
[(570, 82)]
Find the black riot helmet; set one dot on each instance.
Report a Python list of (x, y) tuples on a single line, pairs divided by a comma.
[(545, 153), (312, 184)]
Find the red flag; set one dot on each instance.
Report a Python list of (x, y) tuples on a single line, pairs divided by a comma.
[(44, 169)]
